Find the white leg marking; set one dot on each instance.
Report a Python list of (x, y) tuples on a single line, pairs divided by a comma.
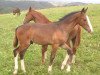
[(45, 55), (64, 62), (16, 64), (23, 65), (68, 68), (50, 68), (89, 23), (73, 60)]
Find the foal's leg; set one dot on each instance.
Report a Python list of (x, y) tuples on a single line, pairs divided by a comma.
[(69, 61), (53, 53), (67, 56), (19, 51), (16, 53), (22, 53), (44, 55)]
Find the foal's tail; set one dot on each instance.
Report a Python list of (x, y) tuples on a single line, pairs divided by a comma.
[(15, 42)]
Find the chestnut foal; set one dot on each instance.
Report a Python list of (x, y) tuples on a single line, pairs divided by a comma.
[(74, 36), (54, 34)]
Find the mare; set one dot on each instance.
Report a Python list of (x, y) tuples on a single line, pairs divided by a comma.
[(16, 11), (74, 35), (55, 34)]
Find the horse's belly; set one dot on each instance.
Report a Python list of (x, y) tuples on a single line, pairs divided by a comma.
[(42, 39)]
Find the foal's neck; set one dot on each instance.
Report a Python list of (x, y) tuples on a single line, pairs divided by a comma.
[(68, 25)]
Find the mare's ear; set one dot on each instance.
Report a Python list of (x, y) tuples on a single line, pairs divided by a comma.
[(30, 8)]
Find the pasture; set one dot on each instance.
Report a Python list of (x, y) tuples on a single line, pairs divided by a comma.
[(87, 56)]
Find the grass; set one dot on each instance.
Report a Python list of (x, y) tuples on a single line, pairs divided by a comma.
[(87, 57)]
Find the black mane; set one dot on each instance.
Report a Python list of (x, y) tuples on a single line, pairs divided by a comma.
[(68, 15)]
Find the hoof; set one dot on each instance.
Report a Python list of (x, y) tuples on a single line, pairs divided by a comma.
[(62, 67), (15, 72), (68, 68), (49, 69)]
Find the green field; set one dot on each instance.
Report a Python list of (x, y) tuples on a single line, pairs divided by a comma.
[(87, 57)]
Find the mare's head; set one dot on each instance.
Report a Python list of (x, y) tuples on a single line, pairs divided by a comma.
[(37, 17), (83, 20), (29, 16)]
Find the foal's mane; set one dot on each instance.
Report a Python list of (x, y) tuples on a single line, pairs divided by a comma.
[(68, 15)]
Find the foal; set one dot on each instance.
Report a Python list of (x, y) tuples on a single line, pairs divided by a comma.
[(16, 11), (74, 36), (53, 34)]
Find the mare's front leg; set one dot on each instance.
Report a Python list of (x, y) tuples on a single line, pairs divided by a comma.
[(44, 55), (53, 53), (76, 43)]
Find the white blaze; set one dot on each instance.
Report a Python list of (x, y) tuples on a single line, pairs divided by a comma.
[(89, 23)]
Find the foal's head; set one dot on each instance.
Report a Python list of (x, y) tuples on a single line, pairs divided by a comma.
[(84, 20)]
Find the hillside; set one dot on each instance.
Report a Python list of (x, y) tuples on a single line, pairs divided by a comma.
[(7, 6), (75, 4), (87, 56)]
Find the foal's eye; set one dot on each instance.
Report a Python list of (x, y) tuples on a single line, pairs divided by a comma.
[(84, 19)]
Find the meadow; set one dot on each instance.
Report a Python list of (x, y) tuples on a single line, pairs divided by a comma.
[(87, 56)]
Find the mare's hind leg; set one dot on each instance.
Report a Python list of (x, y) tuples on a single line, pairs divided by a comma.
[(53, 53), (44, 55)]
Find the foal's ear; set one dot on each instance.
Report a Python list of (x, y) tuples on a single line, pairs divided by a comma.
[(84, 10), (30, 8)]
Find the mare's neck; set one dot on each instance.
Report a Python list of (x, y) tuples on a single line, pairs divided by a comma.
[(41, 19)]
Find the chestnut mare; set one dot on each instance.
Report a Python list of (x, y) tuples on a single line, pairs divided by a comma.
[(74, 36), (16, 11), (54, 34)]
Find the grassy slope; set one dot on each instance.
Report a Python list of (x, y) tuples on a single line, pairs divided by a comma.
[(88, 54)]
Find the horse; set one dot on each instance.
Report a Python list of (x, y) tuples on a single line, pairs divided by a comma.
[(54, 34), (74, 36), (16, 11)]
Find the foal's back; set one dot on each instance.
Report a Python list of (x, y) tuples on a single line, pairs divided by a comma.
[(41, 34)]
